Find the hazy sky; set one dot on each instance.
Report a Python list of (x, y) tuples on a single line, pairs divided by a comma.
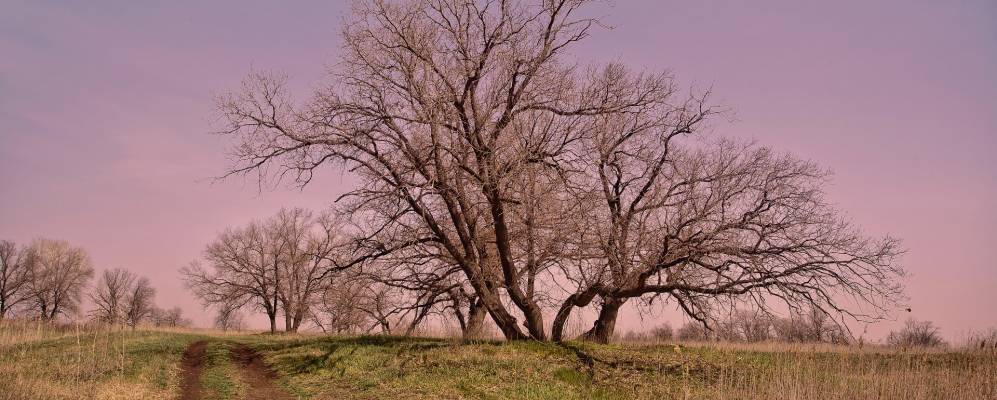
[(105, 110)]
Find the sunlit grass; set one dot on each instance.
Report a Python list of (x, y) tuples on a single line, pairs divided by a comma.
[(65, 362), (385, 367)]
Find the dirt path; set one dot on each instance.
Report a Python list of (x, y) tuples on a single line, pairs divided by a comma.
[(260, 378), (191, 365)]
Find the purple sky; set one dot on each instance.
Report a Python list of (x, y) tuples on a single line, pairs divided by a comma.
[(105, 109)]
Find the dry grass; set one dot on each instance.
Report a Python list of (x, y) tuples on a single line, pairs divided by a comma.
[(42, 361), (423, 368), (64, 362)]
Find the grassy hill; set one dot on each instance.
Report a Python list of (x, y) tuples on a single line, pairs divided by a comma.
[(68, 363)]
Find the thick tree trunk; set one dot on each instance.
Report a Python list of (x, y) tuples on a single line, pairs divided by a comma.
[(505, 321), (493, 304), (526, 304), (299, 316), (580, 299), (475, 321), (602, 329)]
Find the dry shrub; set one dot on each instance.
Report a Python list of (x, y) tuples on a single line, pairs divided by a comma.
[(916, 334)]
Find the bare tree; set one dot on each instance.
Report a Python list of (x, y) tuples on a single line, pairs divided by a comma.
[(14, 275), (58, 273), (440, 109), (916, 334), (812, 326), (109, 295), (228, 317), (138, 302), (171, 318), (983, 340), (725, 224), (662, 332), (692, 330), (477, 144), (245, 268), (279, 265), (752, 325), (337, 310), (317, 248)]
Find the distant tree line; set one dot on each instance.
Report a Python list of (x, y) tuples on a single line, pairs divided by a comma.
[(811, 326), (49, 279)]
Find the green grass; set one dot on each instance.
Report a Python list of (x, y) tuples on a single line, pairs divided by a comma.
[(220, 378), (386, 367), (123, 364)]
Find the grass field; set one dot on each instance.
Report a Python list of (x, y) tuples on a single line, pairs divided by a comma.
[(67, 363)]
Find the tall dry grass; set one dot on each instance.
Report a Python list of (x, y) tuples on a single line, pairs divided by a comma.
[(772, 370), (75, 361)]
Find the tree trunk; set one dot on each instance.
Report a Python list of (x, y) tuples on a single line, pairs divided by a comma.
[(493, 304), (272, 315), (298, 317), (580, 299), (602, 329), (475, 320), (527, 305), (505, 321), (288, 321)]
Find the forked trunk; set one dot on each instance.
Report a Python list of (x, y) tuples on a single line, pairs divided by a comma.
[(475, 321), (604, 326), (580, 299)]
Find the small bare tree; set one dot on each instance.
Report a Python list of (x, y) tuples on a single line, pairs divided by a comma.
[(229, 317), (245, 268), (14, 277), (813, 326), (663, 332), (58, 273), (752, 325), (316, 248), (693, 331), (171, 318), (338, 308), (916, 334), (138, 303), (278, 265), (109, 295)]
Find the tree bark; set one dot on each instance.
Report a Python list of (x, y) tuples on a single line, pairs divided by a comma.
[(604, 326), (272, 315), (475, 320), (580, 299)]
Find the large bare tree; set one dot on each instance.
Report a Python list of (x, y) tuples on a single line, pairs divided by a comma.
[(440, 108), (726, 223), (58, 273), (480, 147), (14, 276)]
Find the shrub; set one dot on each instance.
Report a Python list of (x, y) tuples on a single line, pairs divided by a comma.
[(692, 331), (916, 334)]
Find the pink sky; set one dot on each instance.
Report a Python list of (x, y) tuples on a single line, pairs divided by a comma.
[(105, 110)]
